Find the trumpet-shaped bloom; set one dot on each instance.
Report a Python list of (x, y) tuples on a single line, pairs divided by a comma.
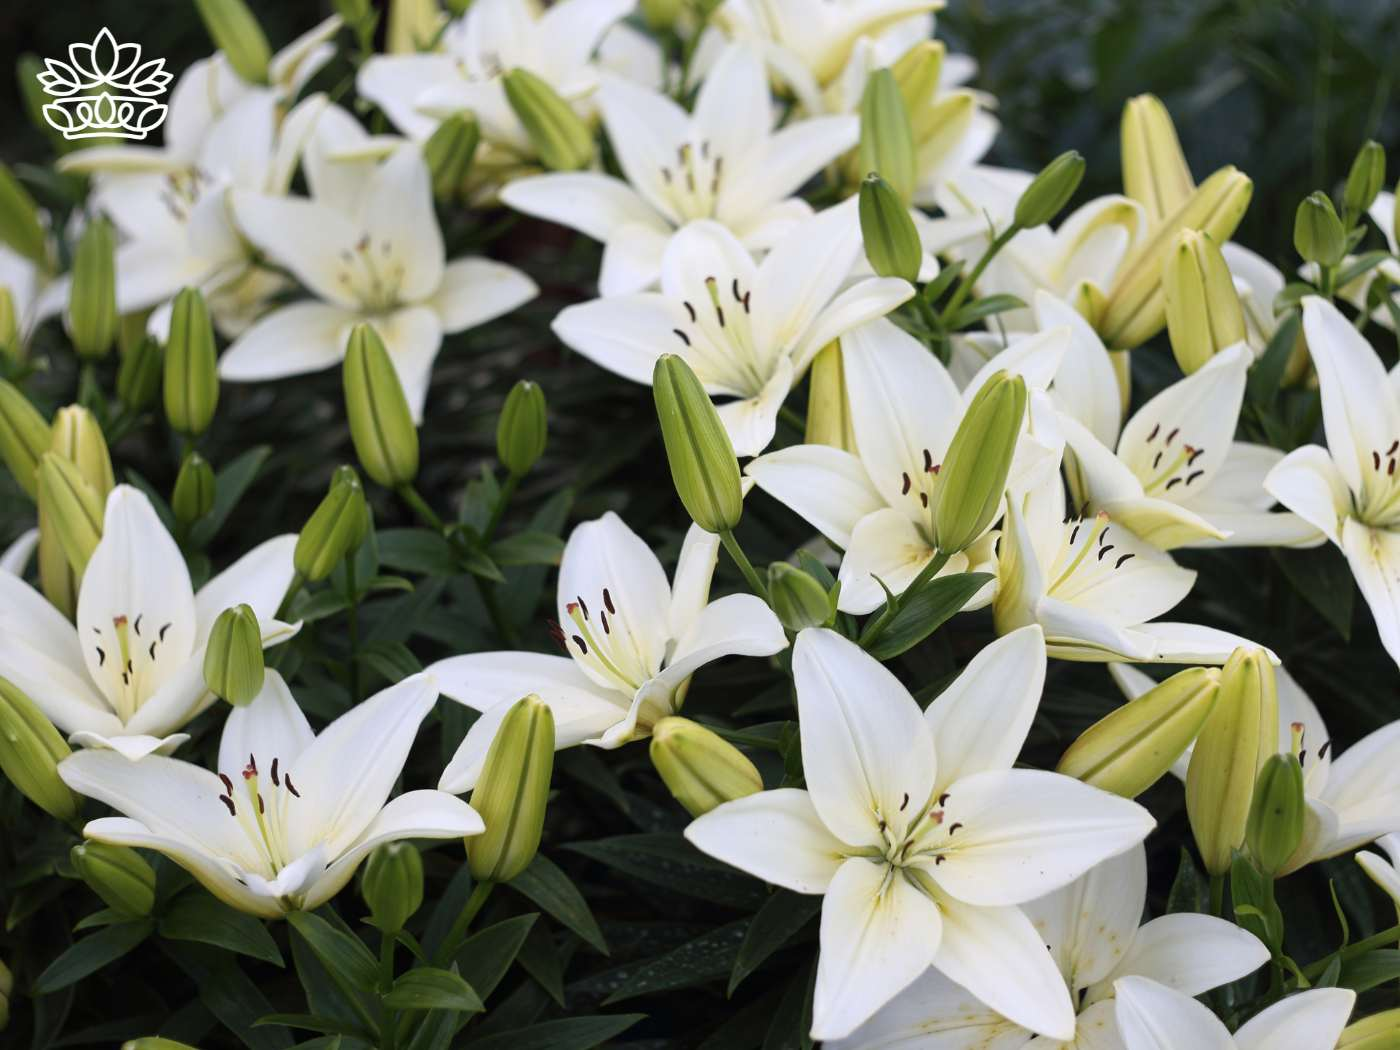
[(289, 814), (633, 642), (1351, 490), (132, 671), (747, 329), (723, 162), (1152, 1016), (923, 839), (1092, 930)]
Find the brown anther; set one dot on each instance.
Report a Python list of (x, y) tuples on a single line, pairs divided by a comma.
[(608, 602), (290, 786), (683, 337), (583, 647), (1119, 563), (276, 781), (228, 784), (904, 491), (229, 803), (952, 828), (1153, 436)]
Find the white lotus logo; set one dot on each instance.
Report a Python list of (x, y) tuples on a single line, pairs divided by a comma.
[(104, 90)]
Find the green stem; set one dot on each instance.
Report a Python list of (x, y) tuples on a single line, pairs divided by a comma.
[(745, 566), (1217, 895), (498, 511), (928, 572), (793, 419), (293, 589), (419, 506), (1383, 939), (965, 285), (458, 933), (353, 595), (388, 1024)]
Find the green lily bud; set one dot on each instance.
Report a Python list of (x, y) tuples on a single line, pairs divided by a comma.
[(1380, 1031), (798, 599), (512, 792), (30, 751), (9, 326), (57, 579), (1155, 172), (7, 989), (392, 885), (1237, 739), (828, 407), (1365, 180), (131, 329), (886, 138), (139, 376), (975, 469), (118, 875), (701, 768), (703, 467), (1317, 232), (335, 529), (72, 507), (24, 436), (918, 72), (449, 152), (1204, 315), (562, 140), (1276, 815), (1130, 749), (1050, 190), (77, 437), (381, 425), (661, 15), (413, 25), (92, 295), (20, 227), (193, 496), (237, 34), (233, 659), (891, 242), (191, 368), (523, 428)]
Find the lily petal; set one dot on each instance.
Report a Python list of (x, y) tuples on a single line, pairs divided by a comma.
[(293, 340), (1314, 1018), (474, 291), (827, 487), (1309, 484), (595, 205), (775, 835), (1374, 557), (1152, 1016), (259, 579), (1192, 953)]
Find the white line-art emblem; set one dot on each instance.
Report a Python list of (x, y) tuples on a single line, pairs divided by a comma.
[(104, 90)]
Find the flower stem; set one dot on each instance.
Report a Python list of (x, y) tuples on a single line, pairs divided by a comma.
[(419, 506), (458, 933), (353, 627), (745, 566), (965, 285), (502, 501), (1383, 939), (1217, 895), (388, 1025), (928, 572)]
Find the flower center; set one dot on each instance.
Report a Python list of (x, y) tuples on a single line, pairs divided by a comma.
[(718, 339), (692, 185), (607, 644), (1379, 499), (372, 273), (921, 484), (131, 660), (182, 192), (1173, 464), (1086, 555), (262, 811)]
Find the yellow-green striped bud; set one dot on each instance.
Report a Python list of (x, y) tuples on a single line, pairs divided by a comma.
[(1276, 815), (561, 139), (1204, 315), (392, 885), (661, 15), (1238, 737), (139, 376), (57, 579), (1155, 172), (1317, 232), (77, 437), (828, 407), (30, 751), (9, 327), (24, 436), (918, 72), (512, 792), (191, 367), (381, 424), (701, 768), (237, 34), (1130, 749), (413, 26), (973, 474), (523, 428), (71, 507), (118, 875), (891, 242), (193, 496), (1380, 1031), (335, 529), (131, 329), (798, 599), (886, 137), (92, 296), (1050, 190), (703, 466), (449, 152), (1365, 180), (20, 227), (233, 659)]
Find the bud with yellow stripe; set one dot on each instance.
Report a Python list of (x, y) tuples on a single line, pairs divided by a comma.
[(701, 768), (1155, 173), (30, 751), (1204, 315), (512, 792)]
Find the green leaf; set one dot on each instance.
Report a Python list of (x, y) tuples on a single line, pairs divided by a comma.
[(1266, 375), (528, 548), (485, 956), (573, 1033), (1362, 264), (91, 954), (229, 486), (314, 1023), (1185, 894), (940, 284), (1323, 579), (343, 955), (1252, 896), (98, 919), (418, 550), (546, 884), (228, 993), (1370, 970), (669, 860), (540, 958), (985, 307), (924, 612), (427, 988), (196, 916), (782, 916), (709, 956), (393, 660)]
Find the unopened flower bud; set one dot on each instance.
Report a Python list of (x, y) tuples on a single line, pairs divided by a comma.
[(512, 792), (918, 72), (1204, 315), (1129, 750), (77, 437), (71, 507), (1379, 1031), (798, 599), (703, 467), (828, 407), (562, 140), (24, 436), (392, 885), (233, 659), (92, 294), (381, 425), (138, 378), (886, 138), (661, 15), (193, 496), (191, 369), (9, 327), (1155, 172), (1050, 190), (522, 429), (1276, 815), (973, 474), (1365, 180), (413, 26), (1317, 232), (118, 875), (335, 529), (449, 152), (237, 34), (20, 227), (30, 751), (701, 768), (891, 242)]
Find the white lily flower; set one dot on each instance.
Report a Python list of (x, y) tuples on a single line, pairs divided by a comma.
[(920, 834), (1092, 930), (17, 554), (132, 671), (633, 642), (748, 330), (382, 264), (1257, 283), (1152, 1016), (254, 837), (1351, 490), (880, 503), (1384, 870), (724, 162)]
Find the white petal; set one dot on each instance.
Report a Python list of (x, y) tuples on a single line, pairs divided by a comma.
[(259, 579), (735, 625), (632, 258), (888, 547), (1035, 358), (645, 129), (775, 835), (151, 269), (733, 107), (1193, 953), (1314, 1018), (483, 680), (690, 585), (1308, 483), (1191, 643), (292, 340), (933, 1013), (307, 237), (475, 291), (624, 334), (1089, 925), (595, 205), (1085, 385), (1153, 1017), (133, 748), (864, 301), (1374, 557), (1074, 633), (271, 725), (802, 274), (825, 486), (397, 218), (412, 338), (790, 157), (395, 83), (752, 422)]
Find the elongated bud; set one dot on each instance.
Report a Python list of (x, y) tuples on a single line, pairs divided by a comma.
[(886, 138), (1155, 172), (1238, 737), (1379, 1031), (10, 345), (701, 768), (413, 25), (523, 428), (381, 425), (974, 472), (828, 407), (233, 659), (24, 436), (392, 885), (118, 875), (449, 152), (1135, 308), (20, 227), (1317, 232), (798, 599), (661, 15), (92, 295), (703, 467), (30, 751), (72, 507), (335, 529), (1276, 815), (512, 792), (237, 34), (917, 72), (191, 367), (1130, 749), (138, 378), (1365, 180), (891, 242), (57, 579), (1050, 191), (1204, 315), (193, 496), (562, 140), (77, 437)]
